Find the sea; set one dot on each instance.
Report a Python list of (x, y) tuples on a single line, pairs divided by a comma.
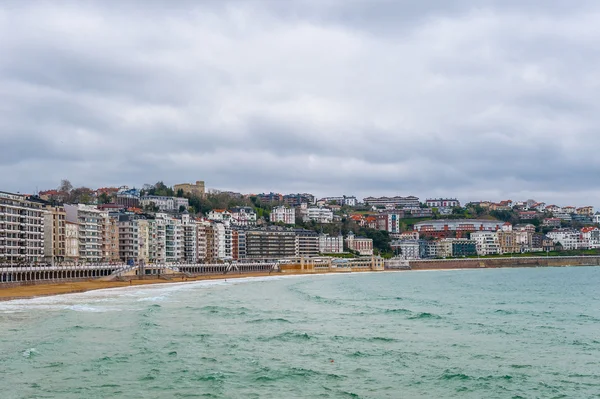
[(490, 333)]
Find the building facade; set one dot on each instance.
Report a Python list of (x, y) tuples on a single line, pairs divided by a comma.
[(21, 229)]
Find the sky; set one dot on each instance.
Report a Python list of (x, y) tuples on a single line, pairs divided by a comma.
[(479, 100)]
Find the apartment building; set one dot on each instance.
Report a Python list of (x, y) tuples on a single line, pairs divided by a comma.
[(283, 214), (71, 242), (331, 244), (442, 203), (21, 229), (219, 215), (407, 249), (568, 238), (129, 242), (90, 223), (54, 234), (343, 201), (268, 244), (389, 221), (486, 243), (318, 214), (394, 202), (243, 216), (110, 241), (307, 243), (190, 238), (164, 204)]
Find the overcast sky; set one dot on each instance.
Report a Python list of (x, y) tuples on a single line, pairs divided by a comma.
[(469, 99)]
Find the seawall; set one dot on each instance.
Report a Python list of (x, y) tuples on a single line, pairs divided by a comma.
[(478, 263)]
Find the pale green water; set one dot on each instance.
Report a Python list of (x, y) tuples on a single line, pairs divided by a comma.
[(520, 333)]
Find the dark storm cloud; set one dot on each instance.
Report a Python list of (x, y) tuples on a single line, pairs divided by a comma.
[(480, 100)]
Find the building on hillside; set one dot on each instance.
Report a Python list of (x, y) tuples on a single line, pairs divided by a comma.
[(283, 214), (569, 209), (362, 245), (331, 244), (563, 216), (585, 210), (524, 227), (389, 221), (54, 234), (90, 221), (528, 215), (195, 190), (128, 199), (219, 215), (21, 229), (442, 203), (270, 198), (243, 216), (420, 212), (395, 202), (596, 218), (486, 243), (442, 227), (585, 219), (551, 222), (298, 199), (270, 245), (342, 201), (318, 215)]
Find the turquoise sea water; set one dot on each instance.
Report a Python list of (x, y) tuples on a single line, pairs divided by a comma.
[(503, 333)]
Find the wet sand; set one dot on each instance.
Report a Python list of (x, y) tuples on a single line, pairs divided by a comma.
[(31, 291)]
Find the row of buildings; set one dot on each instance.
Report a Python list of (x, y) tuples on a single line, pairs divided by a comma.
[(33, 231)]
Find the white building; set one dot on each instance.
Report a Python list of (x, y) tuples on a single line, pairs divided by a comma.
[(129, 244), (219, 215), (319, 215), (343, 200), (591, 237), (283, 214), (164, 204), (331, 245), (90, 221), (408, 249), (71, 242), (21, 229), (487, 242), (442, 202), (222, 241), (243, 216), (569, 239)]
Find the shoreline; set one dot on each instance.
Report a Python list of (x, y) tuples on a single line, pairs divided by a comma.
[(74, 287)]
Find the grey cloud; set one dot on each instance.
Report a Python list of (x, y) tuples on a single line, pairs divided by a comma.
[(473, 99)]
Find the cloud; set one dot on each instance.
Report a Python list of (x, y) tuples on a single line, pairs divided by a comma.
[(479, 100)]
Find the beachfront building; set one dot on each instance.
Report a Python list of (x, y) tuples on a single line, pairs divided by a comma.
[(21, 229), (307, 243), (362, 245), (486, 242), (128, 238), (54, 234), (569, 239), (283, 214), (456, 247), (71, 242), (195, 190), (267, 244), (190, 238), (407, 248), (331, 244), (508, 242), (393, 202), (110, 238), (90, 221)]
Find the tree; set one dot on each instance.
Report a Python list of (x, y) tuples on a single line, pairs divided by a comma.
[(65, 186), (104, 198), (180, 193), (181, 208)]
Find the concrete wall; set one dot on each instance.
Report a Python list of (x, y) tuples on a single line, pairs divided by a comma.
[(505, 262)]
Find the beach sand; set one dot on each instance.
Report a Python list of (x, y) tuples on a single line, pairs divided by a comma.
[(31, 291)]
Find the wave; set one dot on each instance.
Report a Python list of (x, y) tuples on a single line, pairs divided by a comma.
[(276, 320), (289, 336), (425, 315)]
